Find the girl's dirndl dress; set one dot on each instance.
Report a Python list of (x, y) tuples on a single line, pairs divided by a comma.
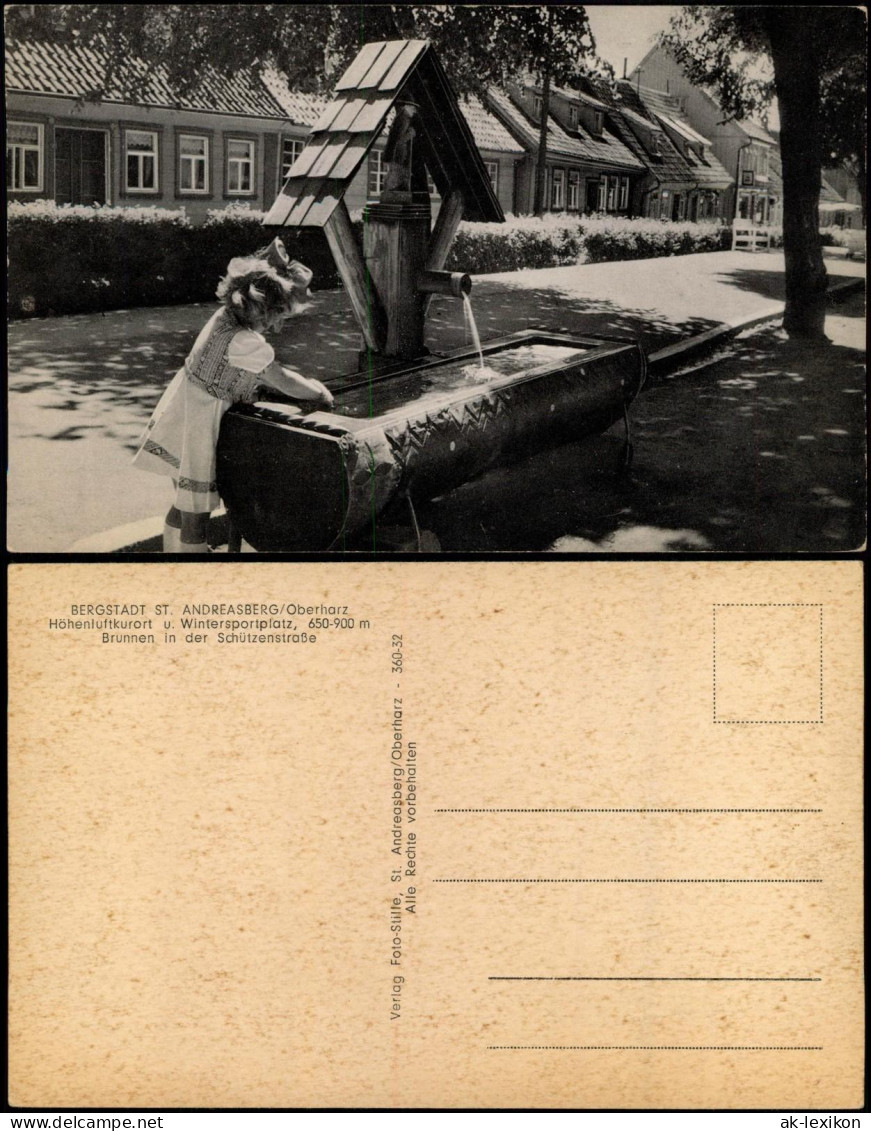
[(182, 436)]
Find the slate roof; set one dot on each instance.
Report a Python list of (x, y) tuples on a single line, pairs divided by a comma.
[(349, 125), (629, 116), (73, 72), (576, 95), (754, 130), (76, 71), (668, 166), (299, 108), (707, 171), (608, 151), (488, 130)]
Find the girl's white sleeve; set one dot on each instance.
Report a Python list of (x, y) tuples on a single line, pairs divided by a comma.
[(250, 351)]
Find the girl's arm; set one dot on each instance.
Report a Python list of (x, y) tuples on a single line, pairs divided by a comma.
[(295, 385)]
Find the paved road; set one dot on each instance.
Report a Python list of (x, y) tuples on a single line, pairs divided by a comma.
[(82, 387)]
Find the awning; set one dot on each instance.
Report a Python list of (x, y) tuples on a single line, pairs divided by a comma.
[(838, 206)]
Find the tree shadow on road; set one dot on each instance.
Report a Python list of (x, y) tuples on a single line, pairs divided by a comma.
[(771, 284)]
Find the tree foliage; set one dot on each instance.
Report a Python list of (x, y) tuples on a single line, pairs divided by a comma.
[(817, 55), (312, 43), (726, 48)]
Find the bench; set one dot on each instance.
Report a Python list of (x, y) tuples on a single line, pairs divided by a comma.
[(749, 237)]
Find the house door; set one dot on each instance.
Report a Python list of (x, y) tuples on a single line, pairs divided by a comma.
[(676, 206), (592, 196), (80, 166)]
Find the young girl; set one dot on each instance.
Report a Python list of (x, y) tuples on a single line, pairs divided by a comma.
[(229, 360)]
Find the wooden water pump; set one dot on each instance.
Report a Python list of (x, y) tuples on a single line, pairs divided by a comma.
[(400, 265)]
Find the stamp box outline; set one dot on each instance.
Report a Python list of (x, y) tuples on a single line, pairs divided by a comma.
[(765, 605)]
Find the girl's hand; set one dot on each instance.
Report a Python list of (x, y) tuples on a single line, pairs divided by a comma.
[(321, 394)]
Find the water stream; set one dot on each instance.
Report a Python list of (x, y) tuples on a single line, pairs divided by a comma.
[(472, 328)]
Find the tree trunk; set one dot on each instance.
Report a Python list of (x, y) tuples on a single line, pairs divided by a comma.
[(539, 202), (795, 43)]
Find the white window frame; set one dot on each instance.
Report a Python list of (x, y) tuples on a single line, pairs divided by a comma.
[(377, 173), (297, 145), (15, 161), (493, 174), (624, 193), (602, 202), (239, 163), (613, 186), (558, 190), (193, 160), (141, 154), (573, 195)]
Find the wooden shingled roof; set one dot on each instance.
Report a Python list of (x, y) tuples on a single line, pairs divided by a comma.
[(345, 132)]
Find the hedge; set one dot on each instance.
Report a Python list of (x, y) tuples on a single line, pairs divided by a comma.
[(556, 240), (67, 259), (521, 242), (610, 238)]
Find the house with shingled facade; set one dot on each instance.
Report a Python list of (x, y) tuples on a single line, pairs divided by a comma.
[(230, 140), (589, 168), (744, 148), (685, 180)]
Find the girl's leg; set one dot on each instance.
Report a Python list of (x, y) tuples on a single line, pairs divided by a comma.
[(172, 531), (194, 529)]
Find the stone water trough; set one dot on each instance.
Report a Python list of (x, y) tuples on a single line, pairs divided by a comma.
[(408, 425)]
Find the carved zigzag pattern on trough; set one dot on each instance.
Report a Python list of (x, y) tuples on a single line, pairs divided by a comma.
[(450, 423)]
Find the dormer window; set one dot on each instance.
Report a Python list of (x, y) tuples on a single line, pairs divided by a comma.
[(656, 144), (593, 119), (536, 105), (573, 117)]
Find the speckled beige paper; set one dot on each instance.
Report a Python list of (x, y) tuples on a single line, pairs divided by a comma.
[(636, 847)]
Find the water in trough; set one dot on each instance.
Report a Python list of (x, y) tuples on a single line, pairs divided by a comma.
[(431, 386)]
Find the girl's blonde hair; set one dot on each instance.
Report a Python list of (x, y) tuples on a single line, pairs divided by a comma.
[(254, 293)]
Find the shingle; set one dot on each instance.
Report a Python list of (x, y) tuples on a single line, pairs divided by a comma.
[(488, 130), (403, 64), (74, 72), (608, 150), (360, 66)]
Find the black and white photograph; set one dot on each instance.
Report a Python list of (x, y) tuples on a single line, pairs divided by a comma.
[(511, 360), (459, 278)]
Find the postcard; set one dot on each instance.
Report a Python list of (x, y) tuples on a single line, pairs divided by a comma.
[(490, 835)]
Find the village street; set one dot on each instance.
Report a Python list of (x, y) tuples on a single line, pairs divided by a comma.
[(759, 451)]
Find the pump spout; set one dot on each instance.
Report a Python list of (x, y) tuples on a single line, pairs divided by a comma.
[(454, 283)]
